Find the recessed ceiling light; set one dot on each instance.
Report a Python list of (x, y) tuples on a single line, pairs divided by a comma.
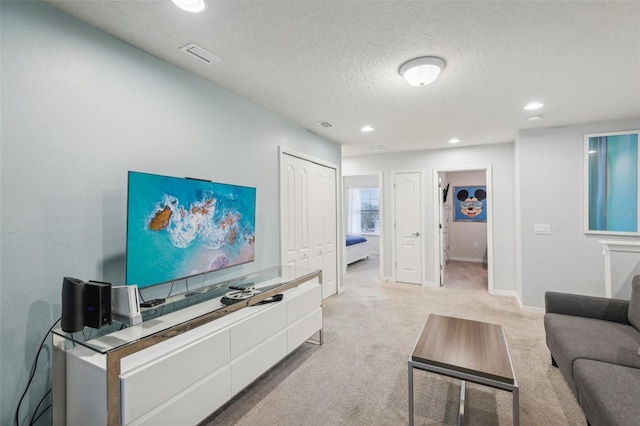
[(454, 140), (533, 105), (193, 6), (535, 118), (367, 129), (422, 71)]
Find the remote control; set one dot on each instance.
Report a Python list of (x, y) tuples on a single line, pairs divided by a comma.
[(151, 303)]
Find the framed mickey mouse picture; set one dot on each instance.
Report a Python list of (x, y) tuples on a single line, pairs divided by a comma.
[(470, 204)]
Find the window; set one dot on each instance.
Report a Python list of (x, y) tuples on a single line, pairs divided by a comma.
[(364, 211)]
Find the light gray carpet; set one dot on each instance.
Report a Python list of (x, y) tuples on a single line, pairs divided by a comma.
[(359, 375)]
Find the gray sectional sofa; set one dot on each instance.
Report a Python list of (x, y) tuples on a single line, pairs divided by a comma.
[(595, 343)]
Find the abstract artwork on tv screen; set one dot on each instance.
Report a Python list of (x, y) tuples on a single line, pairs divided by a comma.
[(181, 227)]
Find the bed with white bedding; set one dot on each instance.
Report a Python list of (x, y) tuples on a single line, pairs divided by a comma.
[(357, 248)]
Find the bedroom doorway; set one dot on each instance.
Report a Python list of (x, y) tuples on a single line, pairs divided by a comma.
[(458, 239), (363, 217)]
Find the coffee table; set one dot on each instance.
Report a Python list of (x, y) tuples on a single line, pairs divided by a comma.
[(472, 351)]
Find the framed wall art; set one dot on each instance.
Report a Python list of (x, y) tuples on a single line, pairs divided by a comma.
[(470, 203), (611, 183)]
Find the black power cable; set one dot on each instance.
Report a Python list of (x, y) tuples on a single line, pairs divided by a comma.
[(33, 372), (34, 418)]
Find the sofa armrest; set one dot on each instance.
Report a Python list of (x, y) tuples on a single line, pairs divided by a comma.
[(602, 308)]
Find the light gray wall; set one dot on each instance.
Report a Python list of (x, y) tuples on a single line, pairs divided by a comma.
[(79, 109), (551, 173), (467, 240), (499, 156)]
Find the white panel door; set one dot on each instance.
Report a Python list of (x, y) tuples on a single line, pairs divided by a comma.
[(408, 215), (288, 190), (328, 212), (317, 252), (443, 229), (309, 218), (306, 212)]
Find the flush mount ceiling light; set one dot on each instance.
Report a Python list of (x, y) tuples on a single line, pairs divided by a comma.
[(367, 129), (533, 105), (454, 140), (422, 71), (193, 6)]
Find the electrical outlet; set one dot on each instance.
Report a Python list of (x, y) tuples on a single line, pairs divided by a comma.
[(542, 229)]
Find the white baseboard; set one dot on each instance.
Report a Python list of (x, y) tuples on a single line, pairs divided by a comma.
[(506, 293), (464, 259), (532, 309), (514, 294), (430, 284)]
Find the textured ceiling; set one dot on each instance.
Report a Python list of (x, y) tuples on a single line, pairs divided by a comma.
[(338, 61)]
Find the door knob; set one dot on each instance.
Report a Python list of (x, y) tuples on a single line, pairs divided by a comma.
[(416, 234)]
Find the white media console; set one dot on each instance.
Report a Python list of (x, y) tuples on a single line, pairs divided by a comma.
[(180, 367)]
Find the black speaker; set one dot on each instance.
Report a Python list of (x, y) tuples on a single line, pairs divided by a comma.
[(72, 304), (97, 304)]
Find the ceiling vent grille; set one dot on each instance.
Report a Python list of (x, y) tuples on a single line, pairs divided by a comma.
[(325, 124), (200, 53)]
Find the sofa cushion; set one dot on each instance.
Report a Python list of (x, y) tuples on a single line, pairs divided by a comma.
[(634, 304), (608, 393), (570, 338)]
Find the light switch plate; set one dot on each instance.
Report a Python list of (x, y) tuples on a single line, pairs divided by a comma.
[(542, 229)]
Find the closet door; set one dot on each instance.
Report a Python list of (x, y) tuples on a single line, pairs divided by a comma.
[(305, 210), (309, 218), (289, 222), (328, 232)]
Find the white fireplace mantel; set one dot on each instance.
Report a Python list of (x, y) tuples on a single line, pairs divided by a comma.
[(615, 246)]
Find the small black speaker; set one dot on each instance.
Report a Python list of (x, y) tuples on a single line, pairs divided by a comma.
[(97, 304), (72, 304)]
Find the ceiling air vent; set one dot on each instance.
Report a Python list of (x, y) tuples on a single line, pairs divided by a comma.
[(200, 53), (325, 124)]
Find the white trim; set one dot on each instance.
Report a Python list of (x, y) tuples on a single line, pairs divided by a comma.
[(393, 221), (508, 293), (436, 215), (464, 259), (532, 309), (615, 246), (298, 154), (514, 294)]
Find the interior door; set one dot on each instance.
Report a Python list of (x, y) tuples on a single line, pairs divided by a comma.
[(408, 226), (443, 229), (328, 211)]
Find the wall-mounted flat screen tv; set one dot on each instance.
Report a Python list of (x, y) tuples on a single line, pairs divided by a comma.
[(182, 227)]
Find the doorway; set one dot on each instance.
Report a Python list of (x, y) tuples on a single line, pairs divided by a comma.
[(474, 240), (363, 214)]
